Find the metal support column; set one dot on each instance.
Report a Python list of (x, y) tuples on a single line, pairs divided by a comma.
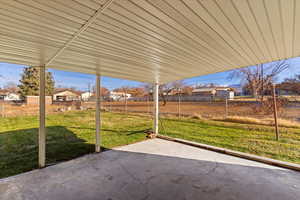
[(98, 115), (42, 119), (156, 109)]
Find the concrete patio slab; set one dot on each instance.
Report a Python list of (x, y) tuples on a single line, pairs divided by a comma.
[(154, 169)]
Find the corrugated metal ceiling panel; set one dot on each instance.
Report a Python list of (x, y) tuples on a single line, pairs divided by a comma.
[(148, 40)]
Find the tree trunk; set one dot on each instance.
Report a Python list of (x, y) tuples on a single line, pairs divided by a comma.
[(164, 99), (254, 91)]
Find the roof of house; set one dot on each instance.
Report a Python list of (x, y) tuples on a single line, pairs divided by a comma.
[(204, 89), (60, 90), (224, 88), (3, 92), (6, 92), (211, 89), (87, 93), (119, 93)]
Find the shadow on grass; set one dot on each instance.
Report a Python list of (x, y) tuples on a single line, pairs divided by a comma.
[(19, 149)]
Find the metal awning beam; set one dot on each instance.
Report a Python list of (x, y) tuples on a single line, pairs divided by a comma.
[(80, 31)]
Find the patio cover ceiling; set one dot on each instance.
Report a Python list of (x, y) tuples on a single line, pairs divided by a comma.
[(148, 40)]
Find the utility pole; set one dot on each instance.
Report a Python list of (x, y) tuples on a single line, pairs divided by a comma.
[(89, 88)]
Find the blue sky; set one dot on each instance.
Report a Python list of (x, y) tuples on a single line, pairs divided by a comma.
[(222, 78), (12, 73)]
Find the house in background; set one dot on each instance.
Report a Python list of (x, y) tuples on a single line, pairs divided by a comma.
[(85, 96), (66, 95), (119, 96), (176, 92), (224, 93), (5, 95), (35, 100), (238, 89), (219, 92), (204, 91)]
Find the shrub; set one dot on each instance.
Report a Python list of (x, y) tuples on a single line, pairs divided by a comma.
[(196, 116)]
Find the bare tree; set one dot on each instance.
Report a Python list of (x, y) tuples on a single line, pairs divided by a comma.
[(177, 84), (147, 88), (170, 88), (259, 78), (125, 90), (165, 89)]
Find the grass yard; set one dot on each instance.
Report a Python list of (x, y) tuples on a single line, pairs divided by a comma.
[(249, 138), (69, 135), (72, 134)]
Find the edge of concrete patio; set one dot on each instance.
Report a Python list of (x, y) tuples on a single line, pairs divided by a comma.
[(247, 156), (155, 169)]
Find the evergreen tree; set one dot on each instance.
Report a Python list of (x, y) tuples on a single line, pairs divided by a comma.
[(29, 83)]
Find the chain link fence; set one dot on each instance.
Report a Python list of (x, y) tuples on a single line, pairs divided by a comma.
[(241, 123), (244, 124)]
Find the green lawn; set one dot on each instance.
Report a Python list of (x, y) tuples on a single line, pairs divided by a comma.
[(69, 135), (72, 134), (249, 138)]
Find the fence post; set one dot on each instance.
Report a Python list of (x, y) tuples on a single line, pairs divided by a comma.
[(226, 106), (148, 104), (110, 102), (2, 108), (179, 108), (126, 102), (275, 112)]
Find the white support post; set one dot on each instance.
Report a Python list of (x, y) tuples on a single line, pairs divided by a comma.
[(42, 119), (98, 117), (156, 109)]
